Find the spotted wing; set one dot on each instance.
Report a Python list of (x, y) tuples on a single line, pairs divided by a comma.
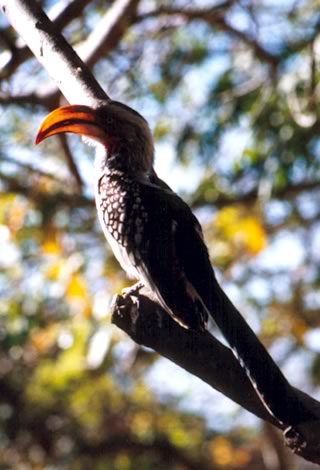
[(174, 259)]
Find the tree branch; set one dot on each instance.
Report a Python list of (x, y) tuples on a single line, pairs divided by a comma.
[(30, 169), (292, 407), (60, 18), (72, 166), (59, 198), (55, 52), (204, 356), (64, 66), (220, 200), (46, 97), (108, 32), (214, 16)]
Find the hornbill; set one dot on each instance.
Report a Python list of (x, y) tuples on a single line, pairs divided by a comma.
[(158, 241)]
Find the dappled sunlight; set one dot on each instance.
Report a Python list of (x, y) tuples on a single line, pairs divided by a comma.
[(231, 93)]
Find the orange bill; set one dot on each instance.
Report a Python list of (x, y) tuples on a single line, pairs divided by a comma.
[(77, 119)]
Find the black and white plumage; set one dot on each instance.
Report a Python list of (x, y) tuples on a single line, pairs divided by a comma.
[(152, 231), (147, 226), (159, 242), (149, 231)]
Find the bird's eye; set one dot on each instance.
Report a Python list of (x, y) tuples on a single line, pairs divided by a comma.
[(109, 120)]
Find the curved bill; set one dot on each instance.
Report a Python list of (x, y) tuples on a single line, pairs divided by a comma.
[(77, 119)]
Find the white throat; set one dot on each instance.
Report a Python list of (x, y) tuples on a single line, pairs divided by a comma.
[(100, 159)]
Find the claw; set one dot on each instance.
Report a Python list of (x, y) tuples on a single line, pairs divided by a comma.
[(132, 290)]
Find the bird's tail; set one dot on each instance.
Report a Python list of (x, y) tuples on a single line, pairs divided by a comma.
[(275, 392)]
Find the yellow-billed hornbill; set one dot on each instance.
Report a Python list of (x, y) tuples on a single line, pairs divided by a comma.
[(151, 230), (158, 240)]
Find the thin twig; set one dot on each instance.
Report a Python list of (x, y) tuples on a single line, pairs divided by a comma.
[(70, 162)]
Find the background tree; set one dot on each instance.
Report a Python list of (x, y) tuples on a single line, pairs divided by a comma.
[(233, 89)]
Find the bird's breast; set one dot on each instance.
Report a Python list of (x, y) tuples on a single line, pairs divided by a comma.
[(123, 217)]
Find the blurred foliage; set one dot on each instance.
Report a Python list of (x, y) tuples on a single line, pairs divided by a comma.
[(232, 93)]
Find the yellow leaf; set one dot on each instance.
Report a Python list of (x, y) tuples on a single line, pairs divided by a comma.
[(50, 244), (50, 247), (243, 231), (225, 219), (54, 270), (76, 286), (253, 235), (78, 296)]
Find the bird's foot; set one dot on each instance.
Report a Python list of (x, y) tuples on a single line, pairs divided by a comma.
[(132, 290)]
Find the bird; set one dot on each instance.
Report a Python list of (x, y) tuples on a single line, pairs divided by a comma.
[(159, 242), (152, 232)]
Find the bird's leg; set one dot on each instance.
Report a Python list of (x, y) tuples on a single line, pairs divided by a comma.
[(132, 290)]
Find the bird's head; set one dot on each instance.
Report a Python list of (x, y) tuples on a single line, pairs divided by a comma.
[(122, 132)]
